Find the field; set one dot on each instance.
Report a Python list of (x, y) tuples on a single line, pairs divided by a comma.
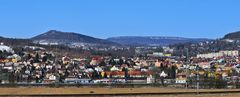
[(129, 92), (192, 95)]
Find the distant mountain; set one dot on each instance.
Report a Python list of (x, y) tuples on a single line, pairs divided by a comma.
[(70, 39), (230, 41), (54, 37), (153, 40), (15, 41), (233, 35)]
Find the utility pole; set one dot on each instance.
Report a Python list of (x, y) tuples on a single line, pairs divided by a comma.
[(197, 79), (187, 66)]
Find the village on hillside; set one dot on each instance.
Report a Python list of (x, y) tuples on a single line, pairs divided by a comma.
[(34, 65)]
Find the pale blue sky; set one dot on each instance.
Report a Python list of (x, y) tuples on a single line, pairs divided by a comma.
[(107, 18)]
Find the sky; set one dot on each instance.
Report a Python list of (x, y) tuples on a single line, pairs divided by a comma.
[(108, 18)]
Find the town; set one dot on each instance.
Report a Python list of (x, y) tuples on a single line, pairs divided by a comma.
[(149, 65)]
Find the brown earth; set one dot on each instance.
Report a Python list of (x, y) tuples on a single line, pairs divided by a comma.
[(191, 95), (88, 90)]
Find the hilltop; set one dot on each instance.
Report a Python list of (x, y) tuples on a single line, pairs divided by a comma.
[(153, 40), (232, 35), (68, 38)]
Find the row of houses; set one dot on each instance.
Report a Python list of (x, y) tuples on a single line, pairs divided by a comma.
[(219, 54)]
